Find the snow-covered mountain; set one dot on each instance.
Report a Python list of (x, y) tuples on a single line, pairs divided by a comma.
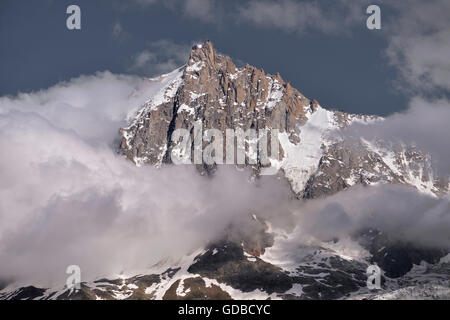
[(318, 158), (333, 270)]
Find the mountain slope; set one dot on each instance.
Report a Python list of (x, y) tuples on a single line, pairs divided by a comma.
[(316, 158)]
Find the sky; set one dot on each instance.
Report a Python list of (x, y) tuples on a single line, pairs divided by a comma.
[(323, 48), (64, 95)]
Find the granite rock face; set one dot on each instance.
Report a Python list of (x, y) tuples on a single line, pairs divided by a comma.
[(210, 92)]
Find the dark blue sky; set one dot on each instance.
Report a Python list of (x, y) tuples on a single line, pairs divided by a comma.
[(342, 70)]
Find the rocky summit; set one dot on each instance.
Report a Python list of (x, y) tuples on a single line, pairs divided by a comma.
[(317, 158)]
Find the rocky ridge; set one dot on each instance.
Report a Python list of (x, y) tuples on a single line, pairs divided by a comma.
[(316, 158)]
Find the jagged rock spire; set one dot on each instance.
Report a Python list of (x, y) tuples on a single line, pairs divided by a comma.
[(212, 91)]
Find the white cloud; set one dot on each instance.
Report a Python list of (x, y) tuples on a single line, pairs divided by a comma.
[(90, 106), (399, 212), (67, 197), (119, 33), (417, 31), (424, 124), (299, 16), (418, 46), (418, 43), (203, 10), (117, 29), (143, 58), (160, 57)]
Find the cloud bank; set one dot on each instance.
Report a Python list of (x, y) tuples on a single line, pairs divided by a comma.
[(202, 10), (67, 197), (425, 124), (418, 48), (299, 16), (401, 213), (418, 43)]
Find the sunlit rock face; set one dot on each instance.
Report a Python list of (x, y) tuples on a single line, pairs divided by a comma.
[(316, 157)]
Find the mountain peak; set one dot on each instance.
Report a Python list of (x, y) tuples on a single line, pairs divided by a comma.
[(213, 92), (205, 45), (211, 89), (203, 52)]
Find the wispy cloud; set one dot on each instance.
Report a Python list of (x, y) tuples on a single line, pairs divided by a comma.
[(205, 10), (423, 124), (202, 10), (416, 31), (400, 213), (419, 44), (67, 197), (299, 16), (418, 47), (286, 14), (160, 57), (119, 33)]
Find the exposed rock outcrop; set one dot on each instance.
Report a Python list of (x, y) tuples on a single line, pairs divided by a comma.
[(210, 92)]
